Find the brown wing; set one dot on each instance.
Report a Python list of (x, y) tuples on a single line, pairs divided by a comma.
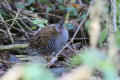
[(43, 36)]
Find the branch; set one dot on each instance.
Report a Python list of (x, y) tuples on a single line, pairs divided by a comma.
[(114, 15), (13, 46)]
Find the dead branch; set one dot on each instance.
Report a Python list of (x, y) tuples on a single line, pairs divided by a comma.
[(13, 46)]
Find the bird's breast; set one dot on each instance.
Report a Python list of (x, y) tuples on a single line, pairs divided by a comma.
[(62, 38)]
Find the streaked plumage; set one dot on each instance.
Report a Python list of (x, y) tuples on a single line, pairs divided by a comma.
[(50, 39)]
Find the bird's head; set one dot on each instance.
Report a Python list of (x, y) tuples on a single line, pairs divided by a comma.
[(60, 26)]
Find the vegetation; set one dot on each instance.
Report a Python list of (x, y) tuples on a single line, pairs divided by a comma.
[(92, 51)]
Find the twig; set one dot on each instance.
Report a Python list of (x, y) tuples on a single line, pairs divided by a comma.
[(10, 35), (80, 2), (3, 31), (86, 38), (8, 30), (26, 25), (13, 46), (81, 23), (15, 28), (20, 27), (1, 18), (60, 17), (112, 46), (7, 5), (16, 17), (9, 63), (72, 49), (114, 15), (12, 19)]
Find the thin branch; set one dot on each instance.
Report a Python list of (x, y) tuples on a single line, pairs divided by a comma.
[(10, 35), (13, 46), (114, 15), (3, 31), (19, 24), (8, 29), (57, 16), (14, 27), (80, 2), (15, 17)]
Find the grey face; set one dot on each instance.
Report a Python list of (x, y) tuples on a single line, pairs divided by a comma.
[(59, 28)]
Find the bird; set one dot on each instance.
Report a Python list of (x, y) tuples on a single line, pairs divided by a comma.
[(50, 39)]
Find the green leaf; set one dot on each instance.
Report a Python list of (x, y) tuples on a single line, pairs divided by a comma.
[(118, 3), (87, 24), (9, 0), (41, 23), (34, 28), (45, 2), (76, 60), (61, 7), (30, 1), (109, 70), (2, 12), (90, 57), (72, 10), (103, 36), (97, 59), (48, 9), (117, 38), (60, 1), (69, 26), (20, 5), (32, 9), (118, 12), (37, 72)]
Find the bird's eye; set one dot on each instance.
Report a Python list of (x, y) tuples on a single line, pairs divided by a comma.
[(58, 28)]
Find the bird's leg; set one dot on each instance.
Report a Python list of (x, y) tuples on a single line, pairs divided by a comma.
[(48, 57), (54, 58), (52, 55)]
